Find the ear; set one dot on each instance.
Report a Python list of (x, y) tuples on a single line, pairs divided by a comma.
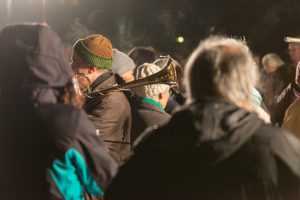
[(160, 95), (91, 69)]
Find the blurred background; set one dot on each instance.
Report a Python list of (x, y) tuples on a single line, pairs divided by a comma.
[(170, 26)]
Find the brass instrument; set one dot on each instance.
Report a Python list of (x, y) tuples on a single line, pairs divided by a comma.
[(167, 75)]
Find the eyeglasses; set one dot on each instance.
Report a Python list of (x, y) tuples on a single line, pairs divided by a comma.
[(76, 76)]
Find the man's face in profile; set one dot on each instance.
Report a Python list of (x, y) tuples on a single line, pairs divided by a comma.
[(80, 70), (294, 52)]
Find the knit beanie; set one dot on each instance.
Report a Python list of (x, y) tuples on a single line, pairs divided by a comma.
[(95, 50), (151, 90), (121, 63)]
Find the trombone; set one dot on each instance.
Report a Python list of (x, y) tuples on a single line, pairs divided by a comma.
[(167, 75)]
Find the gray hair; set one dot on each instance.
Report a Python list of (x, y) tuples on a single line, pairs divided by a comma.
[(223, 68), (272, 60)]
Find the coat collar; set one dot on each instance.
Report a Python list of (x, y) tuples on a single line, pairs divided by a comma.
[(103, 81)]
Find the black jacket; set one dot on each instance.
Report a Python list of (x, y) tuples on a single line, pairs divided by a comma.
[(111, 114), (145, 115), (49, 150), (211, 150), (283, 101)]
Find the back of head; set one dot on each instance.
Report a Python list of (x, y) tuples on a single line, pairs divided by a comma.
[(122, 63), (95, 50), (141, 55), (272, 60), (31, 56), (223, 68), (151, 90)]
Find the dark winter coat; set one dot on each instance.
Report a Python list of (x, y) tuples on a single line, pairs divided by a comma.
[(49, 150), (144, 115), (211, 150), (274, 83), (111, 114), (283, 101)]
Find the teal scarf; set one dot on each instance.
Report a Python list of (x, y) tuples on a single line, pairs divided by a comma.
[(151, 101)]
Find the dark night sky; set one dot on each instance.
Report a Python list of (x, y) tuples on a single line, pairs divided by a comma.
[(127, 23)]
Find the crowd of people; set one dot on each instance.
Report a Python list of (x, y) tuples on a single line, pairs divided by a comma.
[(105, 124)]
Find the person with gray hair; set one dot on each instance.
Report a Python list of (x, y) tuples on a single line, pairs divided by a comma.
[(215, 147), (275, 77), (148, 107), (221, 68), (271, 62)]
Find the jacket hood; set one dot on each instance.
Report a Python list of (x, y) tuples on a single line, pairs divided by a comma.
[(214, 119), (31, 58), (214, 126), (219, 126)]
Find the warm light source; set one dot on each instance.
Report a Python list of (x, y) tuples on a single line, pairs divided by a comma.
[(180, 39)]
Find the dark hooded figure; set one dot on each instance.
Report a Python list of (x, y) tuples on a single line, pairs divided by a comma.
[(216, 147), (48, 147)]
